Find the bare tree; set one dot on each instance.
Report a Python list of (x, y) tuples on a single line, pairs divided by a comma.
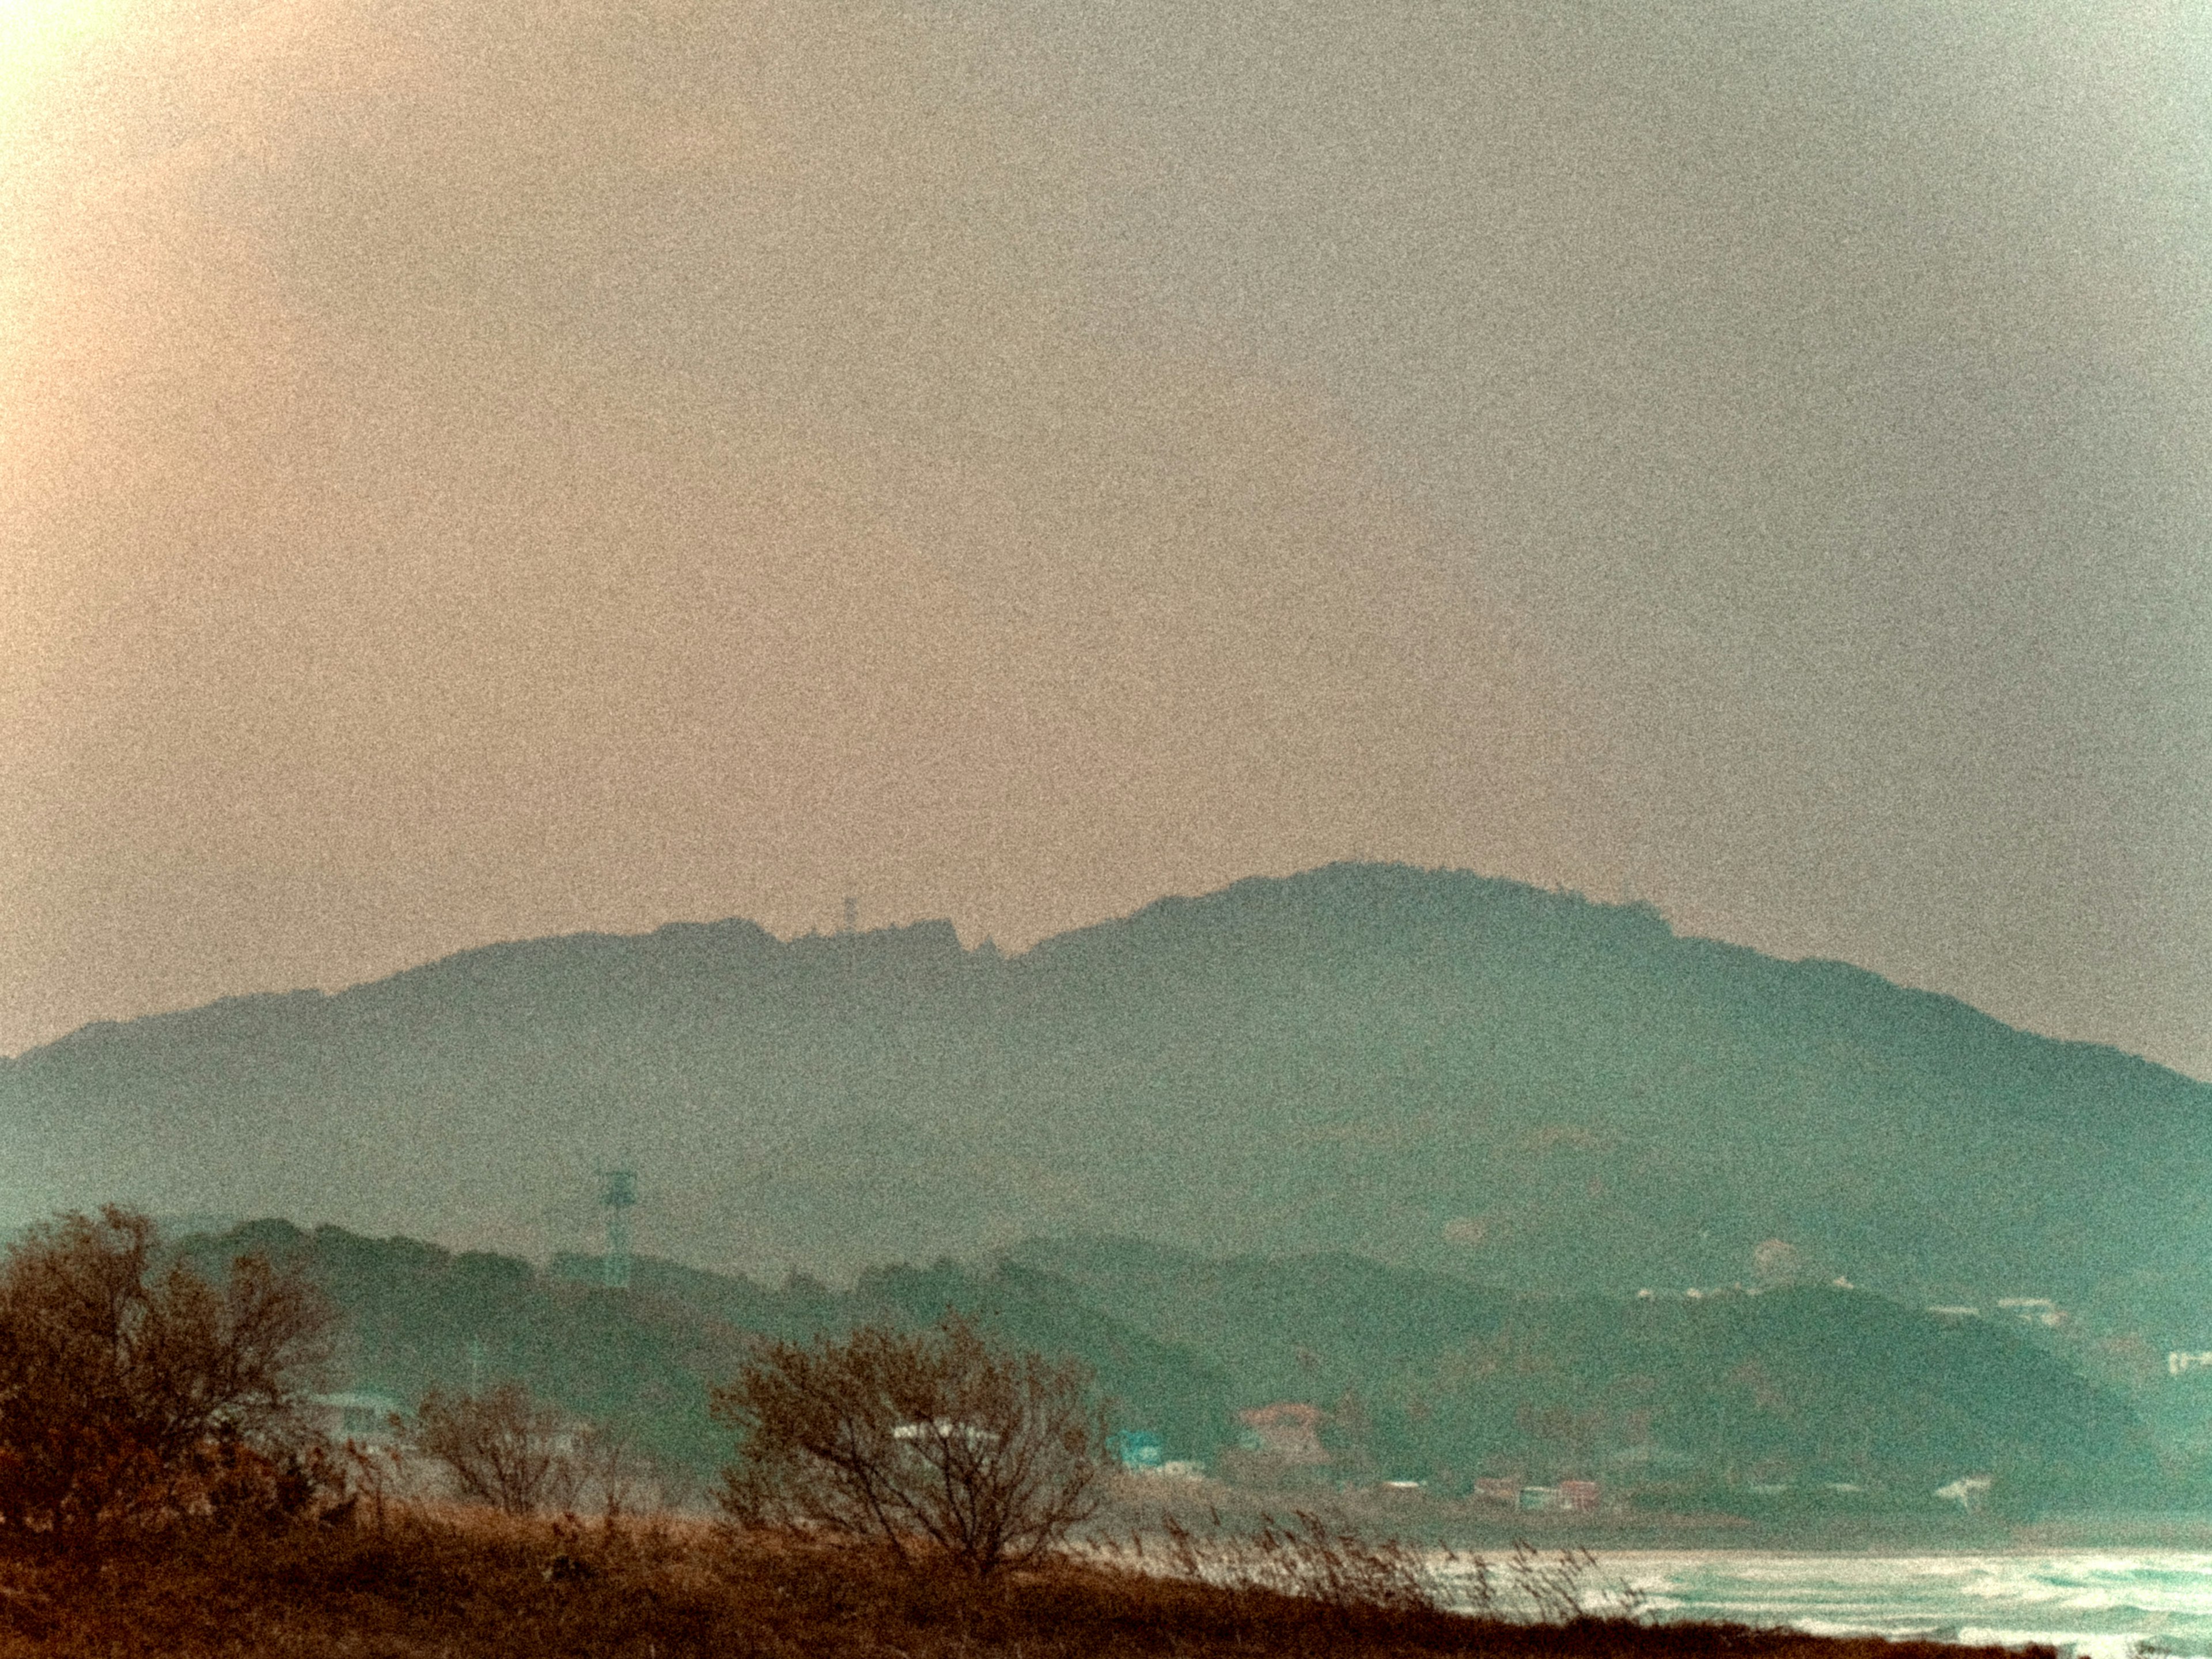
[(615, 1476), (505, 1447), (939, 1438), (130, 1391)]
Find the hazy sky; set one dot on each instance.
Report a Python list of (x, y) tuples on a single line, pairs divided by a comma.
[(469, 471)]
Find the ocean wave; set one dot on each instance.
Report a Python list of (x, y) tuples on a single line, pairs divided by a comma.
[(2091, 1604)]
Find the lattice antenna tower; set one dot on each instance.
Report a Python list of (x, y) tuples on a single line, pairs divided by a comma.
[(617, 1197), (851, 915)]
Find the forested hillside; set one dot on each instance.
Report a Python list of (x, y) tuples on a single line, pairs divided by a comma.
[(1687, 1401), (415, 1317), (1420, 1375), (1428, 1069)]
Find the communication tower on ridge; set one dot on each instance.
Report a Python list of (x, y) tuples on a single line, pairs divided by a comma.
[(852, 914), (618, 1194)]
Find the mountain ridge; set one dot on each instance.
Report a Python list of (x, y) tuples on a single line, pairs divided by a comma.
[(1441, 1070), (943, 930)]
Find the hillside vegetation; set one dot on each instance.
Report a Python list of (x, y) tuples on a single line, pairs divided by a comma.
[(1429, 1069), (1423, 1377)]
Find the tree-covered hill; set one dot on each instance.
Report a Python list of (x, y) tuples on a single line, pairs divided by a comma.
[(1424, 1068), (1421, 1375), (415, 1317), (1807, 1387)]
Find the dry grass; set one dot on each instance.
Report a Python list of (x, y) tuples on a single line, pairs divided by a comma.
[(456, 1583), (1313, 1558)]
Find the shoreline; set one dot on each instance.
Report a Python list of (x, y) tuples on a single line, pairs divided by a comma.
[(1461, 1525)]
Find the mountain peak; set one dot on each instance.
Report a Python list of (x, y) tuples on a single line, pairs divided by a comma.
[(1429, 1067)]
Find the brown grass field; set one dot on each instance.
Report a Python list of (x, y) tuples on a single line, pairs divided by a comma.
[(451, 1584)]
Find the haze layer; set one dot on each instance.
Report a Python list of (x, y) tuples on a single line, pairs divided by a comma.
[(469, 472)]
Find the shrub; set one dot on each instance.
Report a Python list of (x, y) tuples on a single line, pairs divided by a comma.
[(939, 1438), (132, 1392), (503, 1447)]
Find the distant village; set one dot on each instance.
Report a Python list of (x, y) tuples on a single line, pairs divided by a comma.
[(1288, 1434)]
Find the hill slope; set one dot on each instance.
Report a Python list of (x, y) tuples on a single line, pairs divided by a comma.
[(414, 1317), (1428, 1068), (1422, 1375), (1427, 1377)]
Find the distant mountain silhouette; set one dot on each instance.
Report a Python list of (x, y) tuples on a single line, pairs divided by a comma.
[(1429, 1069)]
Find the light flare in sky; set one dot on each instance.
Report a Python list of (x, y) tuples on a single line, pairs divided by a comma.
[(470, 471)]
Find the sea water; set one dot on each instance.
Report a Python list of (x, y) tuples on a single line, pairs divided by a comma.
[(2097, 1604)]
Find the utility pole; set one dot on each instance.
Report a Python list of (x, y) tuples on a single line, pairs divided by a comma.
[(617, 1195)]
